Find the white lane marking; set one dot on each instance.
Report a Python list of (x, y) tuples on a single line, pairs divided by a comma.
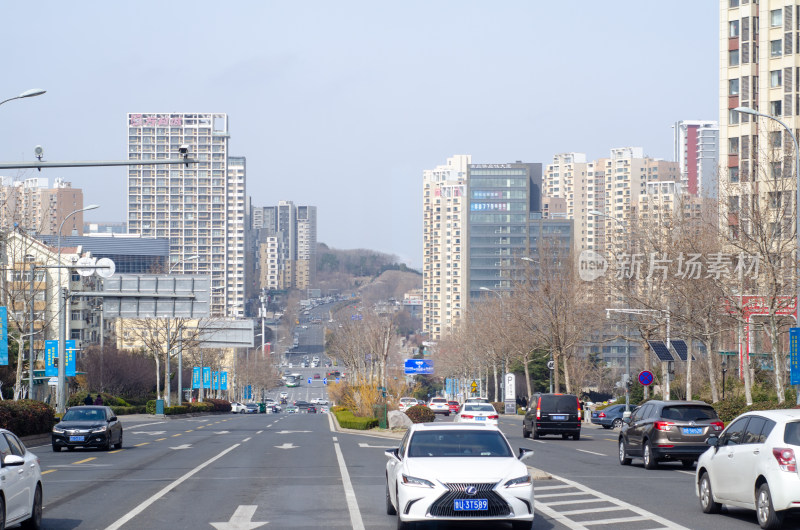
[(241, 519), (218, 432), (259, 432), (540, 441), (349, 493), (377, 446), (143, 424), (692, 473), (290, 432), (547, 509), (166, 489), (590, 452), (246, 439), (330, 422), (287, 445), (151, 433), (184, 446)]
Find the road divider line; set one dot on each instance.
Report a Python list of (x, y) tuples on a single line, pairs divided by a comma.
[(116, 451), (174, 435), (259, 432), (160, 439), (143, 443), (246, 439), (590, 452), (349, 493), (49, 470), (166, 489), (84, 460), (190, 430)]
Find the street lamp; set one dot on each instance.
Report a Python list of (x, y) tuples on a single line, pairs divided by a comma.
[(746, 110), (61, 401), (190, 258), (168, 381), (27, 94)]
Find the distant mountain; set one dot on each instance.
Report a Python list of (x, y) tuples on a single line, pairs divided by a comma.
[(350, 269)]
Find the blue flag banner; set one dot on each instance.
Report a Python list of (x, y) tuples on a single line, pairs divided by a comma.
[(206, 377), (50, 354), (214, 380), (794, 361), (69, 353), (195, 377), (4, 337), (223, 381)]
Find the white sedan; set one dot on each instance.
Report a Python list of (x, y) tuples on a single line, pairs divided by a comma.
[(477, 413), (20, 484), (237, 407), (753, 465), (457, 472), (406, 403)]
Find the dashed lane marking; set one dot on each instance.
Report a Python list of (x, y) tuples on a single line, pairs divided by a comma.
[(160, 439), (246, 439), (115, 451), (84, 460), (49, 470), (175, 435), (190, 430), (590, 452), (259, 432), (143, 443)]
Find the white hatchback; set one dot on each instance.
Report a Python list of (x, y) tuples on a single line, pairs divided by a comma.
[(439, 405), (477, 413), (753, 464), (20, 483), (457, 472)]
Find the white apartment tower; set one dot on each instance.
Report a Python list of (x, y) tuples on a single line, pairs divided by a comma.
[(235, 270), (306, 247), (191, 206), (444, 288)]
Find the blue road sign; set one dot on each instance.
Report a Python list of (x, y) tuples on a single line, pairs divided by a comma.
[(309, 380), (418, 366), (794, 362), (324, 380), (646, 377), (337, 380)]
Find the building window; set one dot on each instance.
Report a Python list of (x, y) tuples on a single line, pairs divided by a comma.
[(733, 27), (733, 146), (775, 139), (775, 170), (733, 117), (776, 48), (733, 87), (775, 107), (733, 174), (733, 58), (733, 3), (775, 78), (776, 17)]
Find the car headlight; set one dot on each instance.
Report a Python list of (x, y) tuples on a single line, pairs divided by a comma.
[(518, 482), (58, 430), (100, 429), (416, 482)]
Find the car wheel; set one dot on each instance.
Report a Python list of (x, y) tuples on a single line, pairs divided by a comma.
[(767, 516), (107, 446), (576, 436), (56, 448), (617, 424), (707, 503), (606, 426), (402, 525), (623, 457), (34, 522), (389, 506), (536, 434), (118, 445), (647, 456), (565, 436), (525, 432), (2, 513), (687, 464)]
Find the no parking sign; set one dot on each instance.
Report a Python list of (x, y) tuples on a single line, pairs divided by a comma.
[(646, 377)]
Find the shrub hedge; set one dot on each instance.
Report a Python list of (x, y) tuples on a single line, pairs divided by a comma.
[(420, 414), (208, 405), (108, 400), (348, 421), (133, 409), (26, 417), (732, 407), (499, 407)]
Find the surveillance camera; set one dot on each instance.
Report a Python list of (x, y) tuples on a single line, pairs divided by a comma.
[(184, 150), (38, 151)]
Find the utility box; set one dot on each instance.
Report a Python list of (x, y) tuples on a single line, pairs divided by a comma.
[(160, 407)]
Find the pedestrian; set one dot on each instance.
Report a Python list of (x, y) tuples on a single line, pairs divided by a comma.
[(98, 400), (88, 400)]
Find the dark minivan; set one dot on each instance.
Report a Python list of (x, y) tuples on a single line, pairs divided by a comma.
[(553, 414)]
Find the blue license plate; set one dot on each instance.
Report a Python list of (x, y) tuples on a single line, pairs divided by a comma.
[(558, 418), (692, 430), (470, 504), (480, 418), (76, 438)]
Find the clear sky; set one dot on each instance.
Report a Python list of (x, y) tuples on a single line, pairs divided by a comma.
[(342, 104)]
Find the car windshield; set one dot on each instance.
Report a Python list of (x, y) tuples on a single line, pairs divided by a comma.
[(564, 404), (478, 408), (84, 415), (689, 413), (458, 443)]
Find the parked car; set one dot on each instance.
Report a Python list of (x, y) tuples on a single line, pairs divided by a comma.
[(753, 465), (668, 430), (439, 406), (237, 407), (610, 417), (87, 426), (553, 414), (458, 472), (454, 406), (251, 408), (406, 403), (477, 413), (21, 484)]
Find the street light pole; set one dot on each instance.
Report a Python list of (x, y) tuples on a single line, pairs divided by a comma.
[(503, 312), (27, 94), (61, 393), (746, 110), (167, 380)]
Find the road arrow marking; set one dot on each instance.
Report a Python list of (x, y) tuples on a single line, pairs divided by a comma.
[(151, 433), (290, 432), (287, 445), (377, 446), (184, 446)]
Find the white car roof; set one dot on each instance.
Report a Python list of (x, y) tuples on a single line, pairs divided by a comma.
[(778, 415), (451, 426)]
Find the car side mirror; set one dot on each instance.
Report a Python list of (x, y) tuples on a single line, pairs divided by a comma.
[(13, 460), (626, 420), (112, 418), (713, 441), (524, 454), (393, 453)]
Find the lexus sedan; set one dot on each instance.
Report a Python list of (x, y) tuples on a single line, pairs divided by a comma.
[(20, 484), (458, 472), (87, 426)]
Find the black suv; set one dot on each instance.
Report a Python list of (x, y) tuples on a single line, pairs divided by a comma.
[(553, 414), (668, 430)]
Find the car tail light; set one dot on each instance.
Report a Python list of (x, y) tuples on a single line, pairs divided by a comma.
[(717, 425), (663, 425), (467, 417), (493, 417), (539, 408), (785, 458), (601, 415)]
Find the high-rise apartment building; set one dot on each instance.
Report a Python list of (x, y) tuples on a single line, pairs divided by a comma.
[(697, 154), (236, 214), (444, 205), (306, 247), (36, 207), (195, 207)]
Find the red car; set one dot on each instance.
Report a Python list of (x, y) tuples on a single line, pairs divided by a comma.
[(454, 406)]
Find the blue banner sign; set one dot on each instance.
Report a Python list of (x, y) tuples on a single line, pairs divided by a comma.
[(223, 380), (206, 377), (214, 380), (195, 377), (4, 337), (418, 366), (69, 353), (794, 362), (50, 354)]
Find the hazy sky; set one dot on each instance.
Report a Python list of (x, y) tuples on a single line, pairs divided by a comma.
[(342, 104)]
